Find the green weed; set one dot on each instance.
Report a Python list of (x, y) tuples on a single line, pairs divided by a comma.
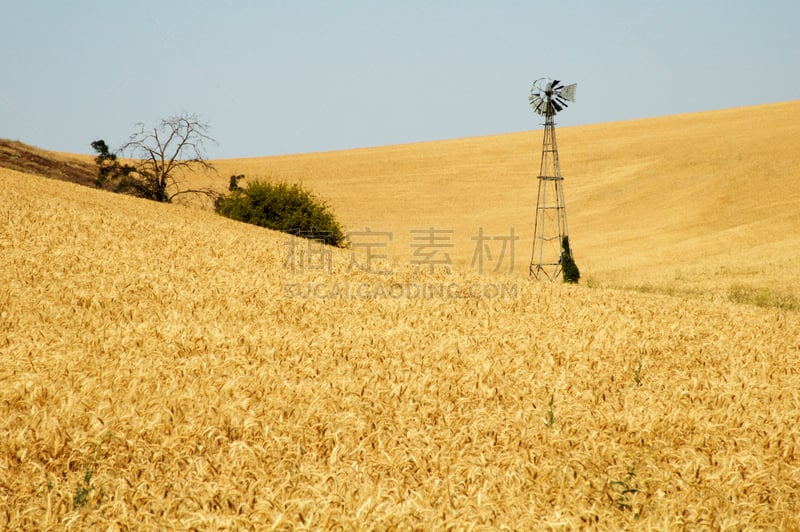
[(637, 372), (81, 497), (623, 490), (550, 420)]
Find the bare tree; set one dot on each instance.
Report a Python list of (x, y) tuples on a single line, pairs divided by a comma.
[(161, 158)]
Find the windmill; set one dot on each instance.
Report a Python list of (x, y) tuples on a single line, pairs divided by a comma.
[(551, 250)]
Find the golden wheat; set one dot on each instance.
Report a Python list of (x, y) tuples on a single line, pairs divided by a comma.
[(157, 373)]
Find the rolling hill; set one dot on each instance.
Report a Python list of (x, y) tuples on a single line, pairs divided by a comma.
[(164, 367), (698, 203)]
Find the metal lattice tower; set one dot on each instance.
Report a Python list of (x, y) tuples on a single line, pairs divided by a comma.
[(550, 233)]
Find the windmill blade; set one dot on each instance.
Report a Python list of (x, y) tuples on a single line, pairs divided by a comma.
[(550, 96), (536, 99), (568, 92)]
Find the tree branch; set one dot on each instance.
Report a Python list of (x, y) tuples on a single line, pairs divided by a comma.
[(175, 144)]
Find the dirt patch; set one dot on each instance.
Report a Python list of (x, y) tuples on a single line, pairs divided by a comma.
[(24, 158)]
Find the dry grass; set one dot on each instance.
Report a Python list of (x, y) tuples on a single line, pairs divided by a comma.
[(156, 376)]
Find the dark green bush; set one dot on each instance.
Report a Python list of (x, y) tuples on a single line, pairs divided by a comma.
[(283, 207), (569, 269), (117, 177)]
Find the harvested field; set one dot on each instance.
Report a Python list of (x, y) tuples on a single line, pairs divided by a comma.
[(75, 168), (164, 368)]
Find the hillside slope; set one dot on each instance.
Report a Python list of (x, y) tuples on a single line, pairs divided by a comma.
[(24, 158), (705, 202), (166, 368)]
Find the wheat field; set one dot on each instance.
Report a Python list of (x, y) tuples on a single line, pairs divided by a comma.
[(699, 203), (166, 368)]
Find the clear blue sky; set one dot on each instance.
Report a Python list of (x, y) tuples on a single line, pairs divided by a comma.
[(300, 76)]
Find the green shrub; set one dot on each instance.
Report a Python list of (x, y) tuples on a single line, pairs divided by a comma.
[(570, 271), (283, 207)]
